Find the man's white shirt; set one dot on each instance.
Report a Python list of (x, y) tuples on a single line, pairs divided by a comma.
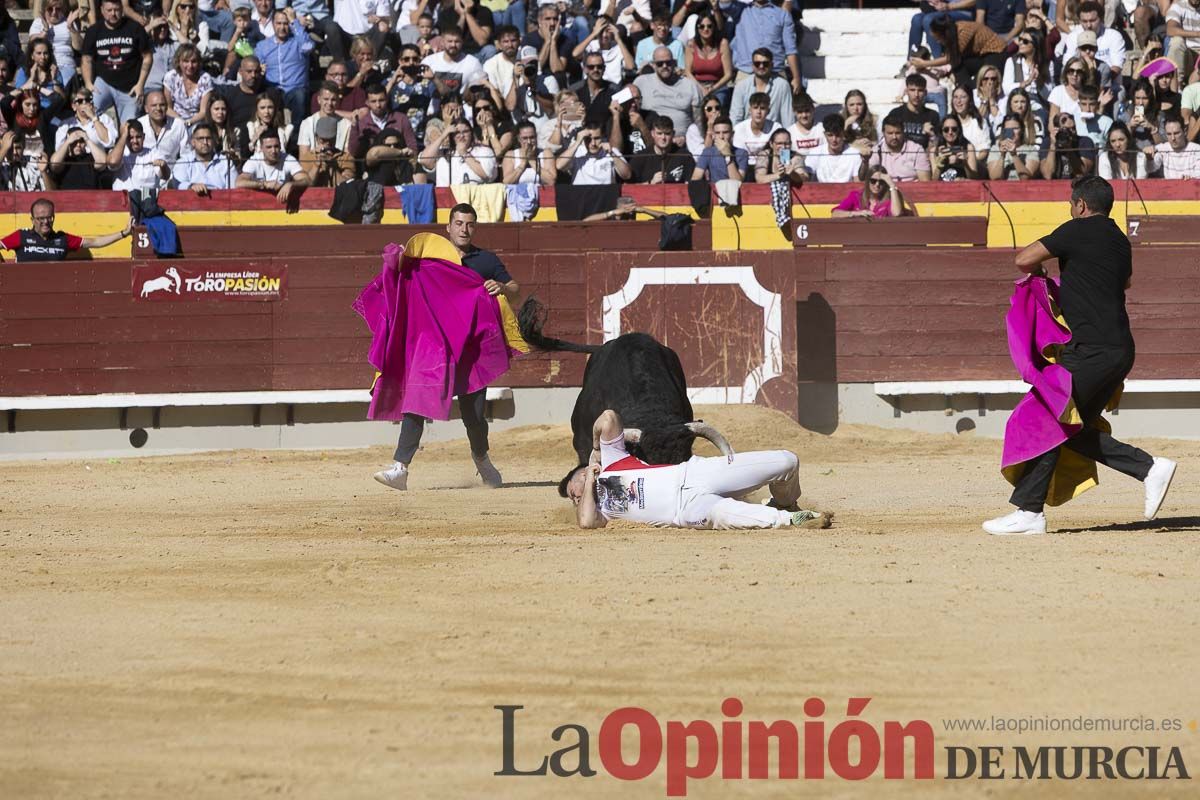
[(307, 135), (137, 171), (1110, 47), (258, 168), (753, 143), (829, 168), (169, 142)]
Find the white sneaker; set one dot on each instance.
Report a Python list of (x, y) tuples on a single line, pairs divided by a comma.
[(395, 476), (1018, 523), (487, 471), (1157, 484)]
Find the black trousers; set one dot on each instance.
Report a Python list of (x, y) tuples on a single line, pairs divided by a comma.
[(1096, 373), (472, 407)]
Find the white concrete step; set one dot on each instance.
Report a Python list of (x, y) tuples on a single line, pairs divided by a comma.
[(868, 66), (815, 42), (879, 91), (868, 20)]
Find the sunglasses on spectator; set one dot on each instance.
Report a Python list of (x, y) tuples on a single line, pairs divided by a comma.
[(988, 79), (596, 66), (712, 108), (949, 129), (1074, 71), (670, 62), (762, 63), (81, 100), (705, 25), (1024, 40), (877, 182)]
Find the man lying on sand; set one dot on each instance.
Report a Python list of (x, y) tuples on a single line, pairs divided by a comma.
[(698, 493)]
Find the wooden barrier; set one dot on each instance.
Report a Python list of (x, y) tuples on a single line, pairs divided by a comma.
[(253, 241), (841, 315), (897, 232), (1160, 230)]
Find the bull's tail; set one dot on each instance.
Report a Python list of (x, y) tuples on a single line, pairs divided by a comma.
[(531, 318)]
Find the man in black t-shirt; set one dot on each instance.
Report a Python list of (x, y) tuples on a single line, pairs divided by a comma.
[(1095, 265), (665, 161), (919, 121), (472, 406), (117, 56), (42, 243)]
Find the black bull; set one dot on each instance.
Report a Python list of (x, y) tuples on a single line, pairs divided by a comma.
[(636, 376)]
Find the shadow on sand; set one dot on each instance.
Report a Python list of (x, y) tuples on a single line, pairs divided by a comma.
[(1164, 524)]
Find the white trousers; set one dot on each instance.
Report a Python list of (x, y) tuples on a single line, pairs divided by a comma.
[(711, 487)]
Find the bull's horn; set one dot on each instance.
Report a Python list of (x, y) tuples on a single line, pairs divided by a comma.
[(633, 435), (713, 435)]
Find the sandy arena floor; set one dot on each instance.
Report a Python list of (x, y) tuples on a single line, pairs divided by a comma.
[(276, 624)]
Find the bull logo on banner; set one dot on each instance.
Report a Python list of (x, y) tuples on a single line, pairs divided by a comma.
[(254, 282), (167, 283)]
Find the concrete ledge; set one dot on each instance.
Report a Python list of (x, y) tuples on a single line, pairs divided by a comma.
[(197, 399), (951, 388), (127, 426)]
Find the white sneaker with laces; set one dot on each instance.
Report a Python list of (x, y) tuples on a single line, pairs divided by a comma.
[(1018, 523), (1157, 484), (395, 476), (488, 472)]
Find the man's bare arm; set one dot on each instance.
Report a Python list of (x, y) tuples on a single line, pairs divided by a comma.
[(607, 427), (587, 515), (1031, 258)]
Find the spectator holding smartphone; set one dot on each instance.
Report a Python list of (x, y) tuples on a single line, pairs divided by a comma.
[(1013, 159), (1067, 154), (953, 158), (777, 162)]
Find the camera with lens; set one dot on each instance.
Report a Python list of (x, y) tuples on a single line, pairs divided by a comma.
[(1066, 140), (531, 71)]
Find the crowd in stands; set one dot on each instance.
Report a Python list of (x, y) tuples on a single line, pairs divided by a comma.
[(1026, 90), (216, 94)]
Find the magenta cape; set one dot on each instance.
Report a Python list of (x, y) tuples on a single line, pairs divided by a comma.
[(1046, 416), (435, 333)]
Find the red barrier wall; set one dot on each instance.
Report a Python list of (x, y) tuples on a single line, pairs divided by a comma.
[(842, 316)]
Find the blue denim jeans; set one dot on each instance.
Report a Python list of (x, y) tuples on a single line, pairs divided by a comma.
[(105, 96), (513, 15), (219, 22), (920, 27)]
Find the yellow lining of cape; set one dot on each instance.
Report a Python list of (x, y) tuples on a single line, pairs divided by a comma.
[(432, 245), (1073, 474)]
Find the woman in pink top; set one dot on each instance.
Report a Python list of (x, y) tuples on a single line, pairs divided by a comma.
[(879, 198)]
